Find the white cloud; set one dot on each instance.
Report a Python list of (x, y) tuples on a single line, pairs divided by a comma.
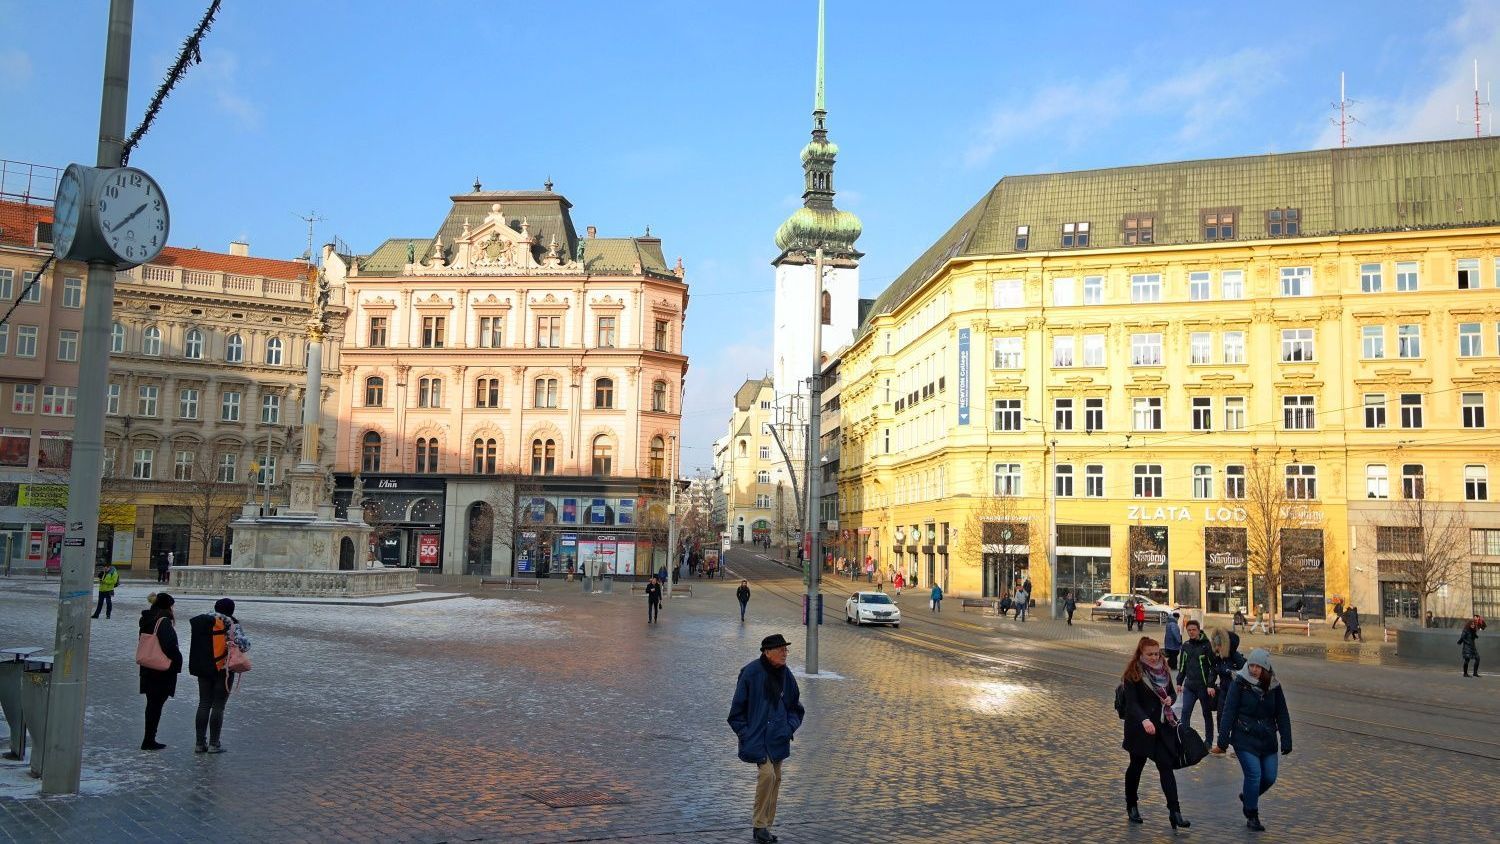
[(220, 75), (15, 68)]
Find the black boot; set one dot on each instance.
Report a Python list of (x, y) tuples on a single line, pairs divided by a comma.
[(1252, 821), (1133, 814), (1178, 820)]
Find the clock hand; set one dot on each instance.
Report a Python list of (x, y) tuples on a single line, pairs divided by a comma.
[(116, 226)]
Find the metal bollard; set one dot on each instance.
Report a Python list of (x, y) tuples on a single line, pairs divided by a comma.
[(35, 689), (12, 668)]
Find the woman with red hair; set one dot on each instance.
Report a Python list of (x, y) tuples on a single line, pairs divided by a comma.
[(1150, 726)]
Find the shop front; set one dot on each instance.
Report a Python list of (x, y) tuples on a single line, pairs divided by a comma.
[(585, 534), (1083, 561), (406, 513), (1007, 556), (1224, 559), (1303, 582), (1149, 553)]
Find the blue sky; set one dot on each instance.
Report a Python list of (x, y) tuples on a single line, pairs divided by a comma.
[(688, 116)]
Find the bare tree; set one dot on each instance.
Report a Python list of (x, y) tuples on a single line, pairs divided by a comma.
[(994, 523), (1280, 533), (209, 504), (1428, 547)]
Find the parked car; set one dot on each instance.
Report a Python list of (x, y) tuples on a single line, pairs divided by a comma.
[(871, 608), (1113, 606)]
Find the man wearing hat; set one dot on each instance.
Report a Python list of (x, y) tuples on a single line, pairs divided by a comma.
[(766, 712)]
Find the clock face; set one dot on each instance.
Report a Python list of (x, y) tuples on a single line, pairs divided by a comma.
[(132, 215), (65, 212)]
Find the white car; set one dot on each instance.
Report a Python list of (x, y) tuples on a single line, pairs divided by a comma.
[(1113, 606), (871, 608)]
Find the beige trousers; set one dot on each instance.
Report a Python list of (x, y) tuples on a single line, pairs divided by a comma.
[(767, 785)]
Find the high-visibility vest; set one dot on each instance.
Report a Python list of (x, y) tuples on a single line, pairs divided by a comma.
[(110, 580)]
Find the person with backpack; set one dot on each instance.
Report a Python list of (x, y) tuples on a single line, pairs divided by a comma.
[(1143, 700), (937, 598), (109, 579), (1255, 716), (214, 635), (158, 684), (1198, 679)]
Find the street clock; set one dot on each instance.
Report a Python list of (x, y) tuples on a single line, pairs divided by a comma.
[(117, 215)]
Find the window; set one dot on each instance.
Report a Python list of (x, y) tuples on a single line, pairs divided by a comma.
[(1200, 347), (1075, 234), (1473, 410), (1023, 237), (229, 406), (182, 466), (1148, 480), (604, 393), (116, 338), (765, 452), (1063, 475), (1296, 345), (187, 403), (1093, 350), (1008, 479), (234, 349), (1372, 342), (1203, 481), (1093, 480), (605, 333), (378, 326), (658, 458), (1139, 230), (146, 397), (1008, 294), (1470, 344), (1476, 483), (26, 341), (369, 452), (1093, 414), (1093, 290), (1284, 222), (31, 288), (1232, 284), (1145, 287), (1007, 414), (1145, 349), (1298, 413), (1234, 413), (492, 332), (111, 400), (487, 392), (825, 309), (141, 468), (1375, 410), (1218, 225), (273, 351), (1296, 281), (1468, 274), (270, 410), (1147, 413), (228, 468), (1370, 278), (73, 291), (1203, 413), (1302, 482), (374, 391), (1234, 347), (67, 346), (1064, 292), (1234, 482), (660, 335), (1409, 341), (430, 392), (1200, 286), (427, 455), (763, 476), (486, 456), (108, 469), (1008, 353), (763, 502), (544, 393), (151, 342), (604, 456), (1413, 481), (59, 401), (659, 396), (192, 345), (7, 282), (1407, 279), (1377, 481), (1062, 351), (434, 329), (1485, 542), (1062, 414), (549, 332)]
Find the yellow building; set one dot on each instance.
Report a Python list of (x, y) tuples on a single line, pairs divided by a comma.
[(1183, 359), (760, 501)]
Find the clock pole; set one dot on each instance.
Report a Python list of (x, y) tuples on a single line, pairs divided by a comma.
[(66, 700)]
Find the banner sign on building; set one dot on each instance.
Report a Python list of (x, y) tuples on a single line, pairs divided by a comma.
[(538, 509), (963, 376), (570, 511), (625, 515), (596, 511), (427, 549)]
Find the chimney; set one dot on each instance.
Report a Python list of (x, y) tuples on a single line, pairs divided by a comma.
[(240, 248), (593, 232)]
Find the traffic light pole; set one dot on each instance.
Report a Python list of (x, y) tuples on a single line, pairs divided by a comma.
[(813, 473)]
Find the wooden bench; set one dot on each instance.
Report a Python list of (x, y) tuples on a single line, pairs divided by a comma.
[(527, 584), (1293, 626), (1119, 615), (979, 603)]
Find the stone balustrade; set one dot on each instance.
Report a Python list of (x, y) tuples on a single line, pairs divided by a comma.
[(206, 281), (300, 583)]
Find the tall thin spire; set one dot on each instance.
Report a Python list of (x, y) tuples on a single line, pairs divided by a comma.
[(818, 86)]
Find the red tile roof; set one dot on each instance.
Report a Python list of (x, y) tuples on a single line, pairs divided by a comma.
[(199, 259), (18, 222)]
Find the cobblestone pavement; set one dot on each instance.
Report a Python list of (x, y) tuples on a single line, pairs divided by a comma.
[(432, 722)]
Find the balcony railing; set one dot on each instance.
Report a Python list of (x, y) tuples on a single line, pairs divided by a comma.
[(209, 281)]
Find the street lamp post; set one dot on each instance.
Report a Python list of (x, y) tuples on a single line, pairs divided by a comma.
[(1050, 483)]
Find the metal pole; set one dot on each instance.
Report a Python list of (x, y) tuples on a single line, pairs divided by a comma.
[(265, 479), (673, 563), (1052, 544), (814, 471), (66, 700)]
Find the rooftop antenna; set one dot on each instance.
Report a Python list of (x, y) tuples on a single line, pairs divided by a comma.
[(311, 219), (1479, 106), (1344, 118)]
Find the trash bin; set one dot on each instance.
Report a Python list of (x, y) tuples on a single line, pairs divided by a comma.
[(609, 584), (12, 667), (36, 687)]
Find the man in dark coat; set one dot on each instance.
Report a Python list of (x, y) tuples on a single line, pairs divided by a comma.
[(653, 601), (765, 714), (157, 686), (742, 594)]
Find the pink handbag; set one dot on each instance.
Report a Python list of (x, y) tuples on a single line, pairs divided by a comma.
[(238, 662), (148, 652)]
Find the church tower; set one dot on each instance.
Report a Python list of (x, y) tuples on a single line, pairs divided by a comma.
[(817, 223)]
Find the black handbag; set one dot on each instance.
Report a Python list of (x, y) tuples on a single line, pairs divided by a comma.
[(1190, 747)]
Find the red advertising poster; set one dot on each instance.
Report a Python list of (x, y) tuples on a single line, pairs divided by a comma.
[(427, 549), (54, 546)]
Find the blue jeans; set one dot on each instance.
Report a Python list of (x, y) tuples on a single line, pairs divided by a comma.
[(1021, 611), (743, 604), (1191, 698), (1260, 775)]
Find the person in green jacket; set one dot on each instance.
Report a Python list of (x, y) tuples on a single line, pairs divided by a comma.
[(109, 578)]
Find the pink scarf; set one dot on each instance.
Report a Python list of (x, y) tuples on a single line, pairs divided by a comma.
[(1159, 681)]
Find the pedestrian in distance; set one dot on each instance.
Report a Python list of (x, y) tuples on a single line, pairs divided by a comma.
[(1171, 640), (1338, 612), (869, 570), (1351, 625), (879, 581), (1240, 620), (1468, 640), (109, 579), (1227, 658), (1005, 605), (765, 714), (1140, 616), (899, 582), (1026, 587), (1070, 603), (1255, 716), (158, 685), (937, 598), (653, 601), (1260, 621), (1144, 700), (743, 595), (1198, 680), (1023, 602), (1129, 614), (214, 634)]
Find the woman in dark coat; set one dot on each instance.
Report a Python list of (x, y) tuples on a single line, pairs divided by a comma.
[(157, 686), (1253, 718), (1469, 639), (1150, 727)]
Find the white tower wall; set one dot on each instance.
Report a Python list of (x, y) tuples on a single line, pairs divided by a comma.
[(794, 312)]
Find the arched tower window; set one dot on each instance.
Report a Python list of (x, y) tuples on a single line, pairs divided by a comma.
[(658, 457), (827, 311)]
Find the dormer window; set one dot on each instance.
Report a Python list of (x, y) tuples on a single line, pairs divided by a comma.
[(1140, 229), (1284, 222), (1075, 235), (1023, 237), (1218, 224)]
